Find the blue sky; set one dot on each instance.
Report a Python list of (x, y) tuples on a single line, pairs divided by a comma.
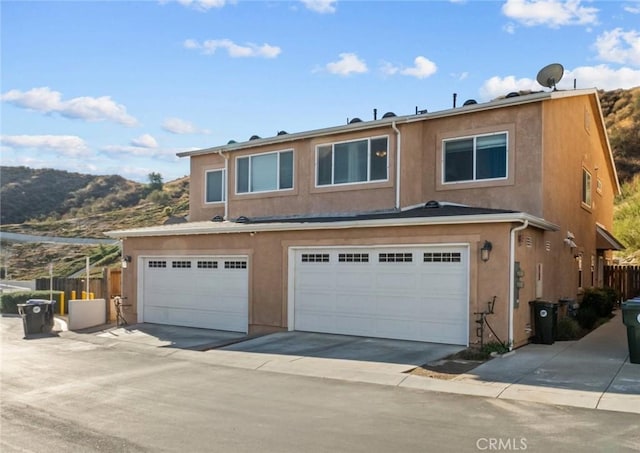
[(119, 87)]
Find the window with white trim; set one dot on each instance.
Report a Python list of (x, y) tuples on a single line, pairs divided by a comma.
[(476, 158), (586, 188), (215, 183), (264, 172), (352, 162)]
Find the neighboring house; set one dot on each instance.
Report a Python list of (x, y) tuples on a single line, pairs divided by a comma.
[(403, 227)]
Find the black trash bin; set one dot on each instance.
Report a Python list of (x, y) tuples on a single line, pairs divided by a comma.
[(545, 319), (631, 319), (37, 316)]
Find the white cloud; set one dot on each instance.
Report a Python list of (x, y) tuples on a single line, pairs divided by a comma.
[(145, 141), (632, 8), (204, 5), (552, 13), (388, 68), (619, 46), (45, 100), (138, 151), (601, 77), (348, 64), (422, 68), (67, 145), (182, 127), (499, 86), (321, 6), (509, 28), (234, 50)]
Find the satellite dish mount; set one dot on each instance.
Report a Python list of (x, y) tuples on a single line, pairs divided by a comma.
[(550, 75)]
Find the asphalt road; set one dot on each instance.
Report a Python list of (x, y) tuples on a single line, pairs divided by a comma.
[(60, 394)]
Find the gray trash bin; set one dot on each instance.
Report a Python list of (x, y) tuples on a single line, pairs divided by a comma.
[(631, 319), (37, 316)]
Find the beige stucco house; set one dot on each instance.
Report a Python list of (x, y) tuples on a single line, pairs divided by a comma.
[(402, 227)]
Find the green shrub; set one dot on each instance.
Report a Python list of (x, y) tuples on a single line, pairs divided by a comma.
[(599, 300), (495, 346), (9, 301), (568, 329), (587, 317)]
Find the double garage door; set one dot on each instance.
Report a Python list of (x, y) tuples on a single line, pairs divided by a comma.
[(410, 293), (210, 292)]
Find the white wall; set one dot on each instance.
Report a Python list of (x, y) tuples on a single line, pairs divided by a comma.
[(86, 313)]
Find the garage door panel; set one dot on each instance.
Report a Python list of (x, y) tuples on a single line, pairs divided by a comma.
[(205, 292), (353, 303), (396, 281), (412, 293)]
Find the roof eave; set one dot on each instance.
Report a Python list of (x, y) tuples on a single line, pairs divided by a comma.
[(198, 228)]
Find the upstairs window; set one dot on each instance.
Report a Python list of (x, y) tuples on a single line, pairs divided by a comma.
[(586, 188), (477, 158), (215, 186), (265, 172), (352, 162)]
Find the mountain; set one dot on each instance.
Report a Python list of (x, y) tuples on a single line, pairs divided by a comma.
[(621, 111), (58, 203)]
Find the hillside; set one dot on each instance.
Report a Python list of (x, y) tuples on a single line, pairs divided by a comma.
[(58, 203), (92, 205), (621, 111)]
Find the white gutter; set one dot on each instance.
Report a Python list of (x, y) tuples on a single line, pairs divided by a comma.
[(512, 276), (398, 161), (207, 227), (226, 183)]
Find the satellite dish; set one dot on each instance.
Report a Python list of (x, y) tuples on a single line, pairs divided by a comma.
[(550, 75), (470, 102)]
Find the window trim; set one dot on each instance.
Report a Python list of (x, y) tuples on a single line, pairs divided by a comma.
[(586, 198), (368, 180), (250, 156), (474, 137), (224, 185)]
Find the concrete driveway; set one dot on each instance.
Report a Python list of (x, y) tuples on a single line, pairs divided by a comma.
[(345, 347), (298, 344)]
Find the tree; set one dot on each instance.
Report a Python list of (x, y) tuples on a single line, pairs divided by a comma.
[(155, 181)]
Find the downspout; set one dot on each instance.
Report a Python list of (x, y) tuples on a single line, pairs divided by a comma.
[(398, 160), (226, 183), (512, 276)]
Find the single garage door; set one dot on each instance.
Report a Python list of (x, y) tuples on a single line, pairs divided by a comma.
[(410, 293), (209, 292)]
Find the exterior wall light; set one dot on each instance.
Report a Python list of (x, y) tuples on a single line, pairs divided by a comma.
[(125, 260), (485, 251)]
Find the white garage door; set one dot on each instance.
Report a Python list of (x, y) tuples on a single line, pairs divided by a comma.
[(209, 292), (410, 293)]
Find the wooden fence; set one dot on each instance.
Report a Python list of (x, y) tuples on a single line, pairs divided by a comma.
[(624, 279), (105, 287)]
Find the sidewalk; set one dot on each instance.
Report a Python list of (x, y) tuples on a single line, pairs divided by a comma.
[(593, 372)]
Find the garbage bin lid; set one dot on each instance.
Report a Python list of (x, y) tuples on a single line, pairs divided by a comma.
[(632, 303), (38, 301)]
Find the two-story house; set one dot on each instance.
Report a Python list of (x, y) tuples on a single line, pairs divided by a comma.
[(401, 227)]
